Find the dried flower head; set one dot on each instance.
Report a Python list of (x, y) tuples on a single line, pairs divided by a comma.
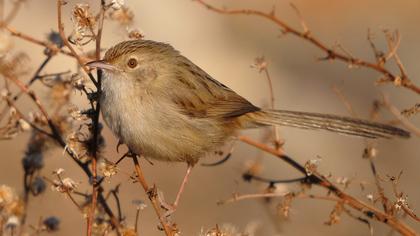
[(139, 204), (107, 168), (59, 93), (77, 144), (401, 202), (285, 206), (58, 171), (260, 64), (135, 34), (78, 81), (12, 127), (7, 195), (311, 166), (100, 227), (37, 118), (370, 152), (5, 93), (335, 215), (123, 15), (343, 181), (14, 65), (117, 4), (129, 232), (82, 16), (231, 230), (10, 203), (64, 186), (24, 126), (84, 23), (76, 114), (12, 222)]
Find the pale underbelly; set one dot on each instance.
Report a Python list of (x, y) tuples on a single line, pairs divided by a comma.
[(163, 135)]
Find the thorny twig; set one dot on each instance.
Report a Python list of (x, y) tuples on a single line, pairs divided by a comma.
[(411, 111), (288, 196), (239, 197), (399, 80), (20, 114), (33, 79), (152, 194), (50, 46), (66, 191), (69, 46), (401, 200), (352, 202), (96, 121), (361, 219), (13, 12), (395, 112), (57, 137), (114, 193), (262, 65), (370, 151)]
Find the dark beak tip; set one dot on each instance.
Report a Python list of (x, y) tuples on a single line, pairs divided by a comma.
[(101, 64)]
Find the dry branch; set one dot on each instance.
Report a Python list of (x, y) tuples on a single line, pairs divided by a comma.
[(306, 34), (352, 202), (152, 194)]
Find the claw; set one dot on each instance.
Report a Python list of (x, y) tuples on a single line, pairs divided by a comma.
[(167, 207), (118, 145)]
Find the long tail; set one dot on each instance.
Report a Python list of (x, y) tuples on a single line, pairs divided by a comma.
[(333, 123)]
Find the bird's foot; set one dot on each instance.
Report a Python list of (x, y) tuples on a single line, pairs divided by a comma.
[(167, 207)]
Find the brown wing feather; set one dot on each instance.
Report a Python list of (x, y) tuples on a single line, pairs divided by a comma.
[(204, 96)]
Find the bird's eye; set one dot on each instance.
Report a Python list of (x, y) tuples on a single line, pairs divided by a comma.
[(132, 63)]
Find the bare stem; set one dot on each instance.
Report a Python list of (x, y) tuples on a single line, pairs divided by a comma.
[(52, 47), (12, 14), (69, 46), (395, 112), (240, 197), (277, 140), (169, 231), (331, 53), (352, 202), (55, 135), (96, 123)]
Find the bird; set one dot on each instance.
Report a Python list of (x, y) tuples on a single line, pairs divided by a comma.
[(165, 107)]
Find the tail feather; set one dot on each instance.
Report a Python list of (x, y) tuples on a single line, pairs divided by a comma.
[(333, 123)]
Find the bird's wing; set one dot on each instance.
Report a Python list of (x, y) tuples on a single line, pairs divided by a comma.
[(200, 96)]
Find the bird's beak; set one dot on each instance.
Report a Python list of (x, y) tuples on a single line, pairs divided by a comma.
[(101, 64)]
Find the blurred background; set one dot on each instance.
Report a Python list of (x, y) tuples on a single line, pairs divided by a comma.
[(226, 46)]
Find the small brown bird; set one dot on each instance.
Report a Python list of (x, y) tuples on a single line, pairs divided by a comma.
[(165, 107)]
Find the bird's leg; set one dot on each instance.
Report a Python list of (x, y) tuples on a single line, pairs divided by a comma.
[(171, 208), (184, 182)]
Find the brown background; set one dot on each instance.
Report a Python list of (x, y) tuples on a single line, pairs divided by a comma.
[(225, 46)]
